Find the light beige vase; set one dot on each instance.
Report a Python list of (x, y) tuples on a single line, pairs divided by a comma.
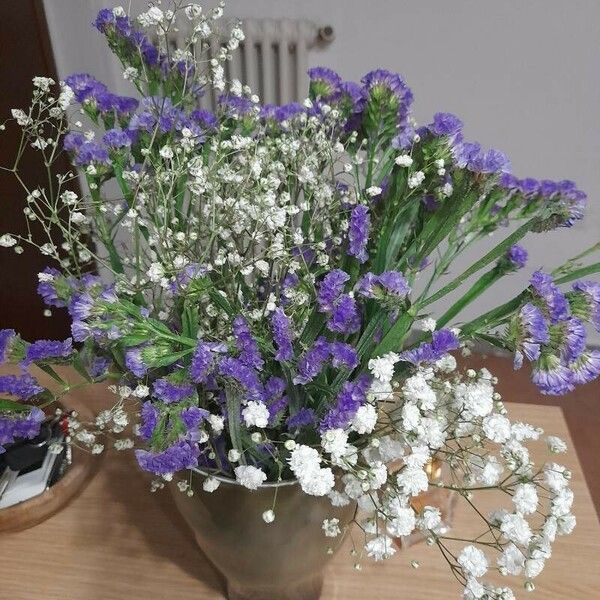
[(283, 560)]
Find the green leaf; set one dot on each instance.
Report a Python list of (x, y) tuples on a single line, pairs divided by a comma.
[(12, 406), (233, 401), (50, 371), (577, 273), (392, 340), (492, 255)]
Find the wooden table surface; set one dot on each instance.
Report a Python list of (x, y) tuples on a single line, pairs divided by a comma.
[(118, 541)]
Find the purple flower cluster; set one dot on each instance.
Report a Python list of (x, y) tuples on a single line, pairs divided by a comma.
[(134, 361), (445, 124), (517, 256), (282, 335), (119, 30), (324, 83), (358, 232), (442, 342), (21, 386), (470, 155), (149, 416), (203, 362), (303, 418), (389, 284), (551, 333), (49, 279), (313, 361), (532, 332), (43, 350), (585, 301), (563, 195), (246, 376), (330, 289), (90, 92), (170, 392), (181, 455), (382, 86), (344, 317), (246, 345), (20, 426), (352, 396)]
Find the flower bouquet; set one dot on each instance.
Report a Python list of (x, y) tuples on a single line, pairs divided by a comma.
[(264, 310)]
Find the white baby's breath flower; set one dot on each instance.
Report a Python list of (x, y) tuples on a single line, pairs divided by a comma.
[(7, 241), (404, 160), (473, 561), (268, 516), (365, 419), (416, 179), (210, 484), (335, 441), (250, 477), (373, 191), (525, 498), (331, 527), (380, 548), (556, 445), (255, 414)]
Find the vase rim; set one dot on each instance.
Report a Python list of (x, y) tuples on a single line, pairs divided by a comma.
[(231, 481)]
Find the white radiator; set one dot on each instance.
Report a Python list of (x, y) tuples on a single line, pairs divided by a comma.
[(272, 60)]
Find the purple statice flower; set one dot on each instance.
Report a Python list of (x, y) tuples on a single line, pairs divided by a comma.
[(282, 335), (189, 273), (443, 341), (20, 426), (589, 292), (445, 124), (48, 279), (134, 361), (276, 400), (351, 397), (555, 301), (490, 161), (246, 345), (573, 338), (529, 187), (394, 283), (44, 349), (351, 101), (81, 306), (117, 138), (91, 152), (85, 86), (533, 332), (517, 256), (205, 119), (552, 377), (21, 386), (193, 416), (99, 366), (465, 153), (73, 141), (286, 112), (170, 392), (345, 317), (202, 363), (181, 455), (330, 289), (586, 368), (381, 84), (358, 232), (343, 355), (324, 83), (7, 337), (312, 362), (149, 416), (246, 376), (236, 106), (304, 417)]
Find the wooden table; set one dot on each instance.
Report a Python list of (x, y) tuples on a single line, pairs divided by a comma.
[(118, 541)]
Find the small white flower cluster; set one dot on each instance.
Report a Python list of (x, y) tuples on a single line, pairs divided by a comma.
[(462, 417)]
